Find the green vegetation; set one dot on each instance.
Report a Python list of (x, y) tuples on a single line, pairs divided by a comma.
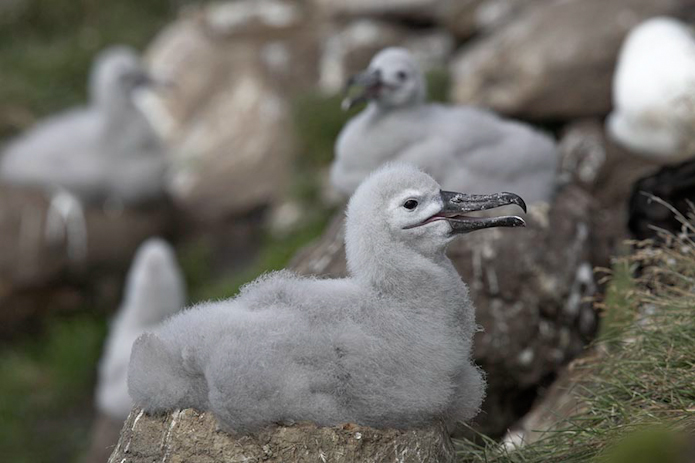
[(438, 85), (639, 386), (46, 390), (275, 254), (46, 47)]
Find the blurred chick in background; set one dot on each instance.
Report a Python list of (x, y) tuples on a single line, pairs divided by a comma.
[(106, 151), (154, 290), (462, 147), (654, 91)]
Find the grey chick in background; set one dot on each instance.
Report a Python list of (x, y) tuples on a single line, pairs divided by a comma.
[(105, 151), (154, 291), (389, 346), (463, 148)]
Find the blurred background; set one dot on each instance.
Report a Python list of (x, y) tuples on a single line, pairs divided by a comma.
[(247, 117)]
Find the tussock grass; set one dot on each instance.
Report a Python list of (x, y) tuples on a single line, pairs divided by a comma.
[(637, 382)]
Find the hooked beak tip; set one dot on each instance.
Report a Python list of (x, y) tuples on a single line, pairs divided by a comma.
[(516, 199)]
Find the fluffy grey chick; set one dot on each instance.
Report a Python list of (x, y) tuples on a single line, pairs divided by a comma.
[(154, 291), (461, 147), (105, 151), (389, 346)]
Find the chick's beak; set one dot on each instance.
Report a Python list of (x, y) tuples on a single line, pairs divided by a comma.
[(367, 84), (457, 204), (143, 79)]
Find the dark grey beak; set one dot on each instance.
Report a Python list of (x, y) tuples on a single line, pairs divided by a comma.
[(145, 80), (367, 85), (457, 204), (142, 80)]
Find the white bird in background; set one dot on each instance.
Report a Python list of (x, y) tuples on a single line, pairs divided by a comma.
[(154, 290), (461, 147), (106, 151), (654, 91), (389, 346)]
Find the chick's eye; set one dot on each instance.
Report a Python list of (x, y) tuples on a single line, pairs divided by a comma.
[(401, 75), (410, 204)]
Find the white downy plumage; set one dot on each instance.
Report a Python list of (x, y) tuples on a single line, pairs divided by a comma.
[(105, 151), (654, 91), (389, 346), (154, 291), (462, 147)]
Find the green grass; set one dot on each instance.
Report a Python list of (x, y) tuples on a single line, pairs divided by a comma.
[(45, 391), (639, 386), (46, 48)]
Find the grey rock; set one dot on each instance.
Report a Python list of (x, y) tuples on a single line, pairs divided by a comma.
[(227, 116), (608, 173), (191, 436), (37, 275), (464, 18), (544, 64)]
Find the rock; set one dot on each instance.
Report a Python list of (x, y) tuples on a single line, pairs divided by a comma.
[(191, 436), (544, 64), (226, 115), (534, 313), (608, 173), (464, 18), (37, 274), (348, 49)]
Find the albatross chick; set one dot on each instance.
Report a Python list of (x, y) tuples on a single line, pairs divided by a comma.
[(462, 147), (388, 346), (105, 151)]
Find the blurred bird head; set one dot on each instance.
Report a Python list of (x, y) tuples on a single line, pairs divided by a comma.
[(117, 73), (155, 288), (392, 80), (401, 205)]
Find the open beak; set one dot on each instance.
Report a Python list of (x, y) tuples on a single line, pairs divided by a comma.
[(367, 85), (456, 205)]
